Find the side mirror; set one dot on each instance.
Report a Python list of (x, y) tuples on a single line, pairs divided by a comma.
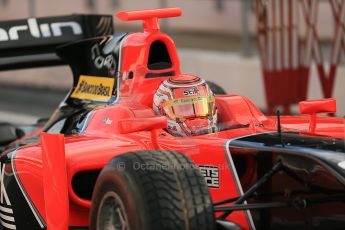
[(132, 125), (328, 105), (313, 107)]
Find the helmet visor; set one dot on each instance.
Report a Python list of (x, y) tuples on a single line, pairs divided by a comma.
[(190, 107)]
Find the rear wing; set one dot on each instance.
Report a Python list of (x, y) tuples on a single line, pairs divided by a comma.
[(32, 42)]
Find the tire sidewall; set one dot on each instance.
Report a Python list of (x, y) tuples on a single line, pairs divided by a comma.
[(118, 181), (171, 198)]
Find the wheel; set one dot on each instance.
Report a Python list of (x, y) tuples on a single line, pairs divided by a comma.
[(216, 89), (151, 190)]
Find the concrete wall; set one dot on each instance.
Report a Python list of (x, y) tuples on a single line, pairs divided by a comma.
[(240, 75), (198, 15)]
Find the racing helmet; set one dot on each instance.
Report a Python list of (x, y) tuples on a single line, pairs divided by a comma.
[(188, 103)]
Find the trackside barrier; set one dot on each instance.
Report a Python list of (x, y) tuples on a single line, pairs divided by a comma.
[(287, 56)]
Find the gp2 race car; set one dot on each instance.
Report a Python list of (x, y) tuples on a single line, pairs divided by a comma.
[(104, 159)]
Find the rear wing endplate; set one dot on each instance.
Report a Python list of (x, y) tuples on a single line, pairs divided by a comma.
[(32, 42)]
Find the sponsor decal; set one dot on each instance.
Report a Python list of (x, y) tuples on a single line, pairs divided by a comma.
[(94, 88), (191, 92), (211, 175), (100, 61), (6, 211), (107, 121), (190, 100), (45, 30)]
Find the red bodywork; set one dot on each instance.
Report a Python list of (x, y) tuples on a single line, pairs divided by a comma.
[(131, 125)]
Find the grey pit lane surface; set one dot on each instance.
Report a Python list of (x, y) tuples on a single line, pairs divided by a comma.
[(25, 106)]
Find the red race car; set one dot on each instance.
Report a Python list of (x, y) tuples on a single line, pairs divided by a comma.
[(137, 144)]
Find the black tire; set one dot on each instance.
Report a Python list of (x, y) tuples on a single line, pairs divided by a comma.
[(153, 190), (216, 89)]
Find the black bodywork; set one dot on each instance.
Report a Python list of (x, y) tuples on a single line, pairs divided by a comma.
[(298, 181), (35, 48), (20, 205), (82, 53)]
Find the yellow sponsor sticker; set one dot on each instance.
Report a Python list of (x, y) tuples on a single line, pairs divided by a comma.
[(94, 88)]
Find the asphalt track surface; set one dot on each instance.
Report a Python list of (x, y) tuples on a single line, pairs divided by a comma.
[(25, 106)]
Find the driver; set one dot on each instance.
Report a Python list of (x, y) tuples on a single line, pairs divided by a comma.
[(188, 103)]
